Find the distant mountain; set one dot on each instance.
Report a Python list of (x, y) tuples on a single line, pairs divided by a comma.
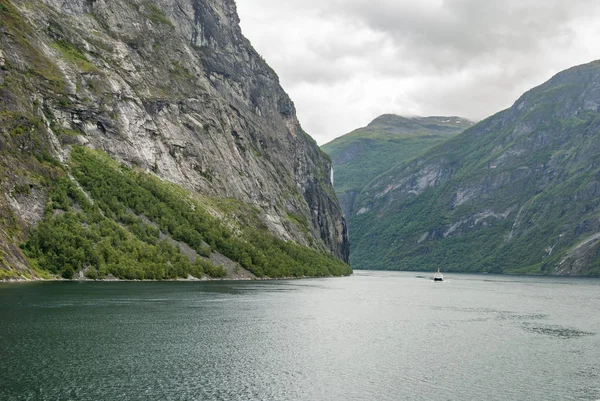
[(517, 193), (365, 153)]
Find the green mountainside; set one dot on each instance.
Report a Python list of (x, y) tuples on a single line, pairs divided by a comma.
[(365, 153), (147, 139), (517, 193)]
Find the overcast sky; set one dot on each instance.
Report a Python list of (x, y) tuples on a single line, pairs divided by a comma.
[(344, 62)]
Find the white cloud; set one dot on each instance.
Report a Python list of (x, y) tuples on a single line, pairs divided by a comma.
[(344, 62)]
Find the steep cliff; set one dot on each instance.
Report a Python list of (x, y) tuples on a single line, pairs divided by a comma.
[(169, 87), (517, 192)]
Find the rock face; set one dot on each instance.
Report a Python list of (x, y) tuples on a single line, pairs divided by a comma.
[(168, 86), (517, 193)]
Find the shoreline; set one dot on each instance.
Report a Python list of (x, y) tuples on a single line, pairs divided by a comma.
[(181, 280)]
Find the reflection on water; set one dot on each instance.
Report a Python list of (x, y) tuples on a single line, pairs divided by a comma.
[(555, 330), (373, 336)]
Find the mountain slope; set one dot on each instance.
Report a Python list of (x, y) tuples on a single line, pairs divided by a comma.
[(517, 193), (363, 154), (171, 88)]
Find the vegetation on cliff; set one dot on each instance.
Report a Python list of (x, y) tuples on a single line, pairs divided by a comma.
[(128, 223)]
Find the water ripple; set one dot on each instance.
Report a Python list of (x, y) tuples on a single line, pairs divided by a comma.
[(555, 330)]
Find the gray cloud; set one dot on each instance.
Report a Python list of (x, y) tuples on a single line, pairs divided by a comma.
[(344, 62), (456, 31)]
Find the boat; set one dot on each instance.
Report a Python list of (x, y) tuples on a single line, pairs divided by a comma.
[(437, 276)]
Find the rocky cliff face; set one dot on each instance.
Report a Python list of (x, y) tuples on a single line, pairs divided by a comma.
[(516, 193), (168, 86)]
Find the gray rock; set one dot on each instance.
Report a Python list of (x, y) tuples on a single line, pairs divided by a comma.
[(173, 87)]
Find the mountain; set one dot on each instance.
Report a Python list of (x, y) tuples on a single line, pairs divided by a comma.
[(517, 193), (365, 153), (156, 127)]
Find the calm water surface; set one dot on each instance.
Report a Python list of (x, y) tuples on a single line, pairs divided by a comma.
[(372, 336)]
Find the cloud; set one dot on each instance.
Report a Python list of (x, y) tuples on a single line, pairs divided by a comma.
[(344, 62), (453, 33)]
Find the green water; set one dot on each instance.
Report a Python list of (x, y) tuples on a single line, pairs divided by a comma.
[(372, 336)]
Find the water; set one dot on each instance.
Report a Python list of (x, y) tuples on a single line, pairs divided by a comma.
[(373, 336)]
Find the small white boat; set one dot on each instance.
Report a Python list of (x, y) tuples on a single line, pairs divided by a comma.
[(437, 276)]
